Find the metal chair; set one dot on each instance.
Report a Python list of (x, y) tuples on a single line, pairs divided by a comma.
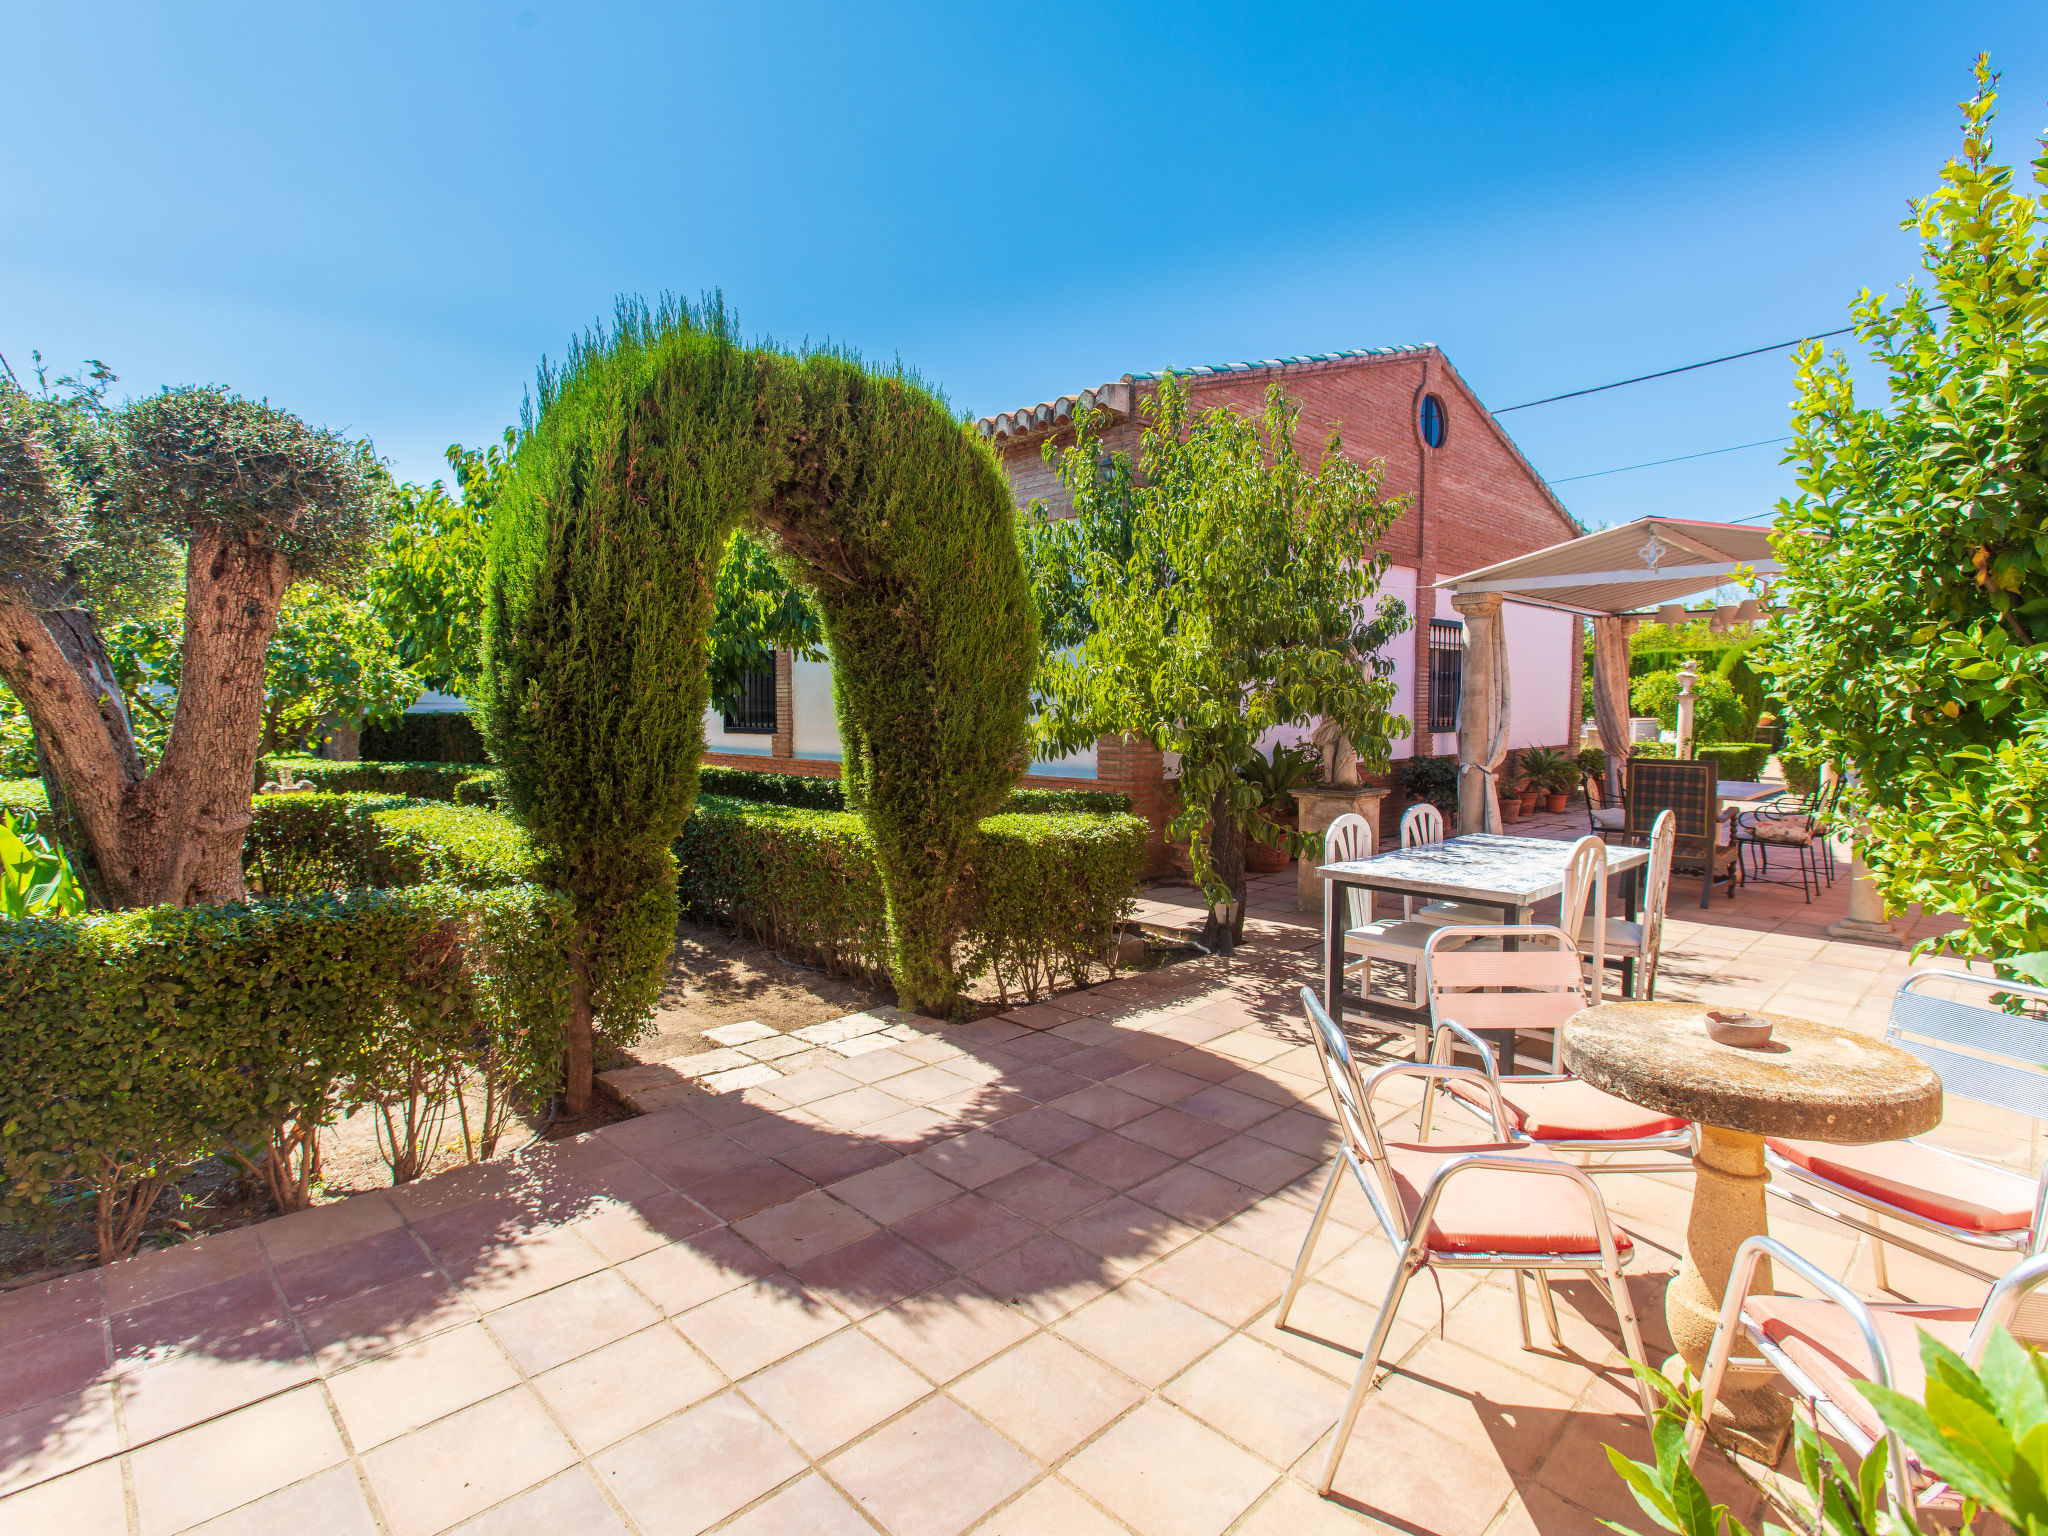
[(1691, 792), (1801, 830), (1640, 939), (1488, 1205), (1813, 1343), (1401, 942), (1604, 821), (1974, 1203)]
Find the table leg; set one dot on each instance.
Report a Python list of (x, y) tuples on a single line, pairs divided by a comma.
[(1503, 1040), (1632, 888), (1727, 1207), (1334, 908)]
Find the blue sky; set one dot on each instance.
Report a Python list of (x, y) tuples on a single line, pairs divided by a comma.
[(381, 216)]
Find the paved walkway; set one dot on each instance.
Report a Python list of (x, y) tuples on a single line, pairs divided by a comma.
[(1012, 1278)]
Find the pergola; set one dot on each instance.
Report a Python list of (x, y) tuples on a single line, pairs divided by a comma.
[(1614, 577)]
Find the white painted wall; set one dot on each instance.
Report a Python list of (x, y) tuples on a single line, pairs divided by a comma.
[(1540, 665), (816, 733), (1400, 582), (717, 740)]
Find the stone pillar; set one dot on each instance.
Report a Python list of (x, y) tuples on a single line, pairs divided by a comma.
[(1688, 690), (1867, 921), (344, 744), (1320, 807), (784, 743), (1482, 711), (1610, 696)]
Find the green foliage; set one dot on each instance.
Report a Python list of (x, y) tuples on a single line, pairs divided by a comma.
[(759, 612), (1717, 713), (301, 844), (1592, 760), (479, 789), (1549, 769), (330, 662), (1434, 779), (1744, 760), (823, 794), (1041, 896), (1227, 590), (432, 736), (1278, 776), (428, 780), (35, 880), (1067, 802), (138, 1042), (18, 795), (1915, 645), (657, 439), (429, 588), (17, 736)]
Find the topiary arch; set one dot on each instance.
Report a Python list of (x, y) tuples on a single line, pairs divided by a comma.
[(648, 447)]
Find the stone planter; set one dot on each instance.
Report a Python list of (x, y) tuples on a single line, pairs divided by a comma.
[(1317, 808)]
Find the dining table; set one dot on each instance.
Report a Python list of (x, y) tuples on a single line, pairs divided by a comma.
[(1511, 874), (1807, 1082)]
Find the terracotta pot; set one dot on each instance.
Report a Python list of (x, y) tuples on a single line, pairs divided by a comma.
[(1510, 811), (1529, 799), (1557, 803), (1263, 858)]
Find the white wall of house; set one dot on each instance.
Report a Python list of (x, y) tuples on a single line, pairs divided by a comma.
[(1400, 582), (718, 739), (1540, 665), (816, 730)]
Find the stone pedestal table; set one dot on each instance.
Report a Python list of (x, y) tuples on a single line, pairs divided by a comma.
[(1811, 1082)]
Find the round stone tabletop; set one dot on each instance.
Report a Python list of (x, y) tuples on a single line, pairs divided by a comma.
[(1811, 1081)]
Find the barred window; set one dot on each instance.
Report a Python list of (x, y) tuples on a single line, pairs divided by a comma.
[(756, 713), (1446, 672)]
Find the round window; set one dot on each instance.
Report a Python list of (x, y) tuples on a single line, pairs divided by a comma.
[(1433, 421)]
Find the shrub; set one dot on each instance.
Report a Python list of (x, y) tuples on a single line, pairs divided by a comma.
[(447, 736), (816, 794), (458, 845), (24, 795), (1434, 779), (1718, 713), (300, 845), (1041, 895), (1593, 760), (1067, 802), (479, 789), (138, 1042), (416, 780), (1737, 759)]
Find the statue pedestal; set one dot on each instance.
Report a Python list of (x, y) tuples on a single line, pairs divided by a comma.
[(1320, 807)]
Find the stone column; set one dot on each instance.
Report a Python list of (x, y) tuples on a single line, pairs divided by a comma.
[(1688, 690), (1320, 807), (1610, 696), (1867, 921), (1482, 711)]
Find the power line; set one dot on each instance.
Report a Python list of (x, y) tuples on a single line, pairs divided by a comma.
[(1643, 378), (1653, 463)]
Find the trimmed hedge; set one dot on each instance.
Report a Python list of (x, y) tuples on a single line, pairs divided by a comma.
[(448, 737), (419, 780), (299, 845), (24, 795), (803, 792), (1745, 760), (1042, 893), (139, 1042)]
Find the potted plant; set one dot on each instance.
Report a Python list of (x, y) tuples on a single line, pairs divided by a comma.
[(1553, 773), (1276, 778), (1510, 807)]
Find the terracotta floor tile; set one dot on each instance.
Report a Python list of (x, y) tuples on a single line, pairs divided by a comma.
[(56, 1436), (556, 1326), (743, 1191), (329, 1503), (837, 1156), (189, 1389), (975, 1159), (231, 1461), (687, 1274), (928, 1085), (1052, 1508), (1047, 1277), (458, 1466), (933, 1472), (161, 1273), (690, 1472), (85, 1503), (1260, 1398), (804, 1228), (912, 1129), (645, 1133), (1144, 1333), (302, 1233), (1044, 1192), (1104, 1106), (1292, 1509), (568, 1505), (862, 1109), (1045, 1130), (949, 1329), (965, 1232), (376, 1322), (813, 1083), (759, 1324), (1165, 1474), (875, 1272), (58, 1364), (1043, 1083), (1113, 1160), (1125, 1235), (1097, 1063), (1175, 1134), (835, 1390), (626, 1229), (1046, 1395), (1222, 1280), (1226, 1106), (1410, 1476), (1160, 1083), (810, 1506), (1299, 1130), (1327, 1329), (622, 1388), (1258, 1165), (208, 1317), (1195, 1195), (536, 1262), (683, 1162), (346, 1268), (1275, 1230), (896, 1190), (385, 1398)]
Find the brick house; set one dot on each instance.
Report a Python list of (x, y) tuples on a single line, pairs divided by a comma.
[(1472, 500)]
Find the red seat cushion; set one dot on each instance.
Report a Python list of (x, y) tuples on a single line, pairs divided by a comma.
[(1951, 1190), (1494, 1210), (1568, 1111), (1823, 1340)]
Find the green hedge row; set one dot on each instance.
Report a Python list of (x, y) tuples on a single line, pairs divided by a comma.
[(803, 792), (302, 844), (139, 1042), (419, 780), (1043, 895), (1745, 760)]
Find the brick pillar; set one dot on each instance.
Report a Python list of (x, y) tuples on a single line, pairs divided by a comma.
[(1130, 766), (1425, 610), (1575, 718), (785, 705)]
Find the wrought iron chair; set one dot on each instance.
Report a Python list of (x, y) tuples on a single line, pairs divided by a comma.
[(1814, 1344), (1487, 1205), (1799, 829), (1604, 821), (1691, 792), (1974, 1203)]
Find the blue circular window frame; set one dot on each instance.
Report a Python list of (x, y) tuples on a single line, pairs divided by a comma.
[(1433, 421)]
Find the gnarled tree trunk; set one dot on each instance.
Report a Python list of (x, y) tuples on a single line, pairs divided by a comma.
[(1226, 855), (172, 837)]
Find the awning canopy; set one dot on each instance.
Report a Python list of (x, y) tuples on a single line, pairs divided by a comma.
[(1636, 565)]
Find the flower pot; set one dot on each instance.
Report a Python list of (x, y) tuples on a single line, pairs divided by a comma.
[(1510, 811), (1264, 859), (1558, 803), (1529, 799)]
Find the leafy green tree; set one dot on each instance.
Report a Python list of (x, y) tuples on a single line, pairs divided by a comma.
[(759, 611), (429, 586), (1718, 714), (1217, 591), (251, 499), (1914, 647)]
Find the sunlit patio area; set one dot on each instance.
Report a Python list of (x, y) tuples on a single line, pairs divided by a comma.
[(1017, 1276)]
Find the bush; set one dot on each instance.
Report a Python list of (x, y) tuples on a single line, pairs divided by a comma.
[(1737, 759), (1066, 802), (300, 845), (1042, 895), (416, 780), (806, 793), (1593, 760), (1718, 712), (445, 737), (138, 1042), (479, 789), (1434, 779), (24, 795)]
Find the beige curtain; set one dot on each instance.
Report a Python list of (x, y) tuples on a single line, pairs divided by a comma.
[(1483, 712), (1610, 695)]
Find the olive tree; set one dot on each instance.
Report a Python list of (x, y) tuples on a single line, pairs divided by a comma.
[(249, 499)]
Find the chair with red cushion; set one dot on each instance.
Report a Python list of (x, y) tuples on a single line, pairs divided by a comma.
[(1823, 1346), (1492, 1204), (1976, 1204)]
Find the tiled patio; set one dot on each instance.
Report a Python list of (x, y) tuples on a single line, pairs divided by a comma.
[(1014, 1278)]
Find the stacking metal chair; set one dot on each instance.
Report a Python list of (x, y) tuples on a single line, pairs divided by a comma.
[(1823, 1347), (1401, 942), (1473, 1205), (1913, 1185), (1421, 825), (1640, 939)]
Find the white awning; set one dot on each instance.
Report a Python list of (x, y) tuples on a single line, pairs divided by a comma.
[(1636, 565)]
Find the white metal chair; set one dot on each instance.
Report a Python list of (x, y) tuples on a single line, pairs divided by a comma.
[(1484, 1205), (1421, 825), (1400, 942), (1977, 1204), (1814, 1344), (1641, 939)]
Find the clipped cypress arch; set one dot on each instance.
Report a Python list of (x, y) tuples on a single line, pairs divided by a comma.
[(636, 459)]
